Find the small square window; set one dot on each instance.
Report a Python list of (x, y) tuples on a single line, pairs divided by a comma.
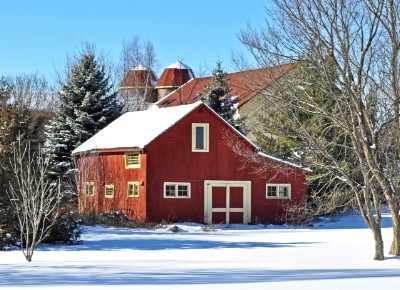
[(200, 137), (133, 189), (278, 191), (109, 191), (89, 188), (176, 190), (132, 160)]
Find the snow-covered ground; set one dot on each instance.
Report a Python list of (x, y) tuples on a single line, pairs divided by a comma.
[(335, 255)]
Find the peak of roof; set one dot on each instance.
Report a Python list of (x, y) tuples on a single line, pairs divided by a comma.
[(141, 67), (143, 127), (179, 65)]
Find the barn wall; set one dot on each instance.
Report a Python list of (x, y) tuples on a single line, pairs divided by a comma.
[(109, 168), (171, 160)]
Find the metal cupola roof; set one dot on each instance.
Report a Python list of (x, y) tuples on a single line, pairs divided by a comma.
[(139, 76), (175, 75)]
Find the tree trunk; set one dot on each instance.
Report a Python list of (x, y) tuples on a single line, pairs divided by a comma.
[(395, 247), (377, 233)]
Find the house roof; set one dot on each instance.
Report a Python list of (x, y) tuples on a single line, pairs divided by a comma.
[(175, 75), (135, 129), (140, 76), (244, 85)]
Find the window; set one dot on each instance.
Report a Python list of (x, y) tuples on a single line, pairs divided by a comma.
[(176, 190), (133, 189), (200, 140), (278, 191), (109, 191), (132, 160), (89, 188)]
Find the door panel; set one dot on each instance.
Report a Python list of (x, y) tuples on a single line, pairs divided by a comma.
[(218, 218), (236, 197), (236, 217), (218, 197)]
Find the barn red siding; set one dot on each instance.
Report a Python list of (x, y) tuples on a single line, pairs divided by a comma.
[(109, 168), (172, 160)]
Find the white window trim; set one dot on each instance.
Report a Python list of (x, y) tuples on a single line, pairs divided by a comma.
[(176, 189), (206, 137), (138, 184), (126, 160), (90, 183), (105, 190), (288, 185)]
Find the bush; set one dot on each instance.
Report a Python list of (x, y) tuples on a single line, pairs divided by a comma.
[(66, 230), (296, 214), (8, 234), (113, 219)]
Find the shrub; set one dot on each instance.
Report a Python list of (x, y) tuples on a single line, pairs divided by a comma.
[(66, 230)]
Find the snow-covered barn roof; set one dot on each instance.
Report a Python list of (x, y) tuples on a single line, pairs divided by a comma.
[(136, 129)]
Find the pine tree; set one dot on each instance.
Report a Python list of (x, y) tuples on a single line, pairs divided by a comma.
[(218, 97), (87, 105)]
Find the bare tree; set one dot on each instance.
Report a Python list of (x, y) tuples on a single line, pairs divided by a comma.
[(34, 199), (31, 91), (135, 54), (352, 47)]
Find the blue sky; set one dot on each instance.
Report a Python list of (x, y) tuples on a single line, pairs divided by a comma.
[(36, 36)]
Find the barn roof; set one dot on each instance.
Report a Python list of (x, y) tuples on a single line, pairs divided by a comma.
[(135, 129), (244, 85)]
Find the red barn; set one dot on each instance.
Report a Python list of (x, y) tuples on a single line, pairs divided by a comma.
[(182, 164)]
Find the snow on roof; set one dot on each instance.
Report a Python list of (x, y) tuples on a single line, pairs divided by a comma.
[(141, 67), (284, 161), (136, 129), (179, 65)]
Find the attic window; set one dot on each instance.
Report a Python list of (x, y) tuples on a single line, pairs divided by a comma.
[(132, 160), (133, 189), (109, 191), (278, 191), (200, 137)]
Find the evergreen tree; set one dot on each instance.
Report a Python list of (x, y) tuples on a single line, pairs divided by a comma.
[(218, 97), (87, 105)]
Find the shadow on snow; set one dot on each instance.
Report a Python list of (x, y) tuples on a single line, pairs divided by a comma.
[(106, 275)]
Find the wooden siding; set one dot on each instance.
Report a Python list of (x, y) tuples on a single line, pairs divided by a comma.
[(172, 160), (109, 168)]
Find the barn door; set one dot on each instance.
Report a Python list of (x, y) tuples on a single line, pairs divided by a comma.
[(227, 202)]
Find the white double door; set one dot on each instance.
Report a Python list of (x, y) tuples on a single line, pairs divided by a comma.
[(227, 201)]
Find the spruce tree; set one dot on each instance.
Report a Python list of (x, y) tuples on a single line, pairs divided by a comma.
[(218, 97), (87, 105)]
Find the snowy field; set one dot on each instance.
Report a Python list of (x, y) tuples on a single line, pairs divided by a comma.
[(335, 255)]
